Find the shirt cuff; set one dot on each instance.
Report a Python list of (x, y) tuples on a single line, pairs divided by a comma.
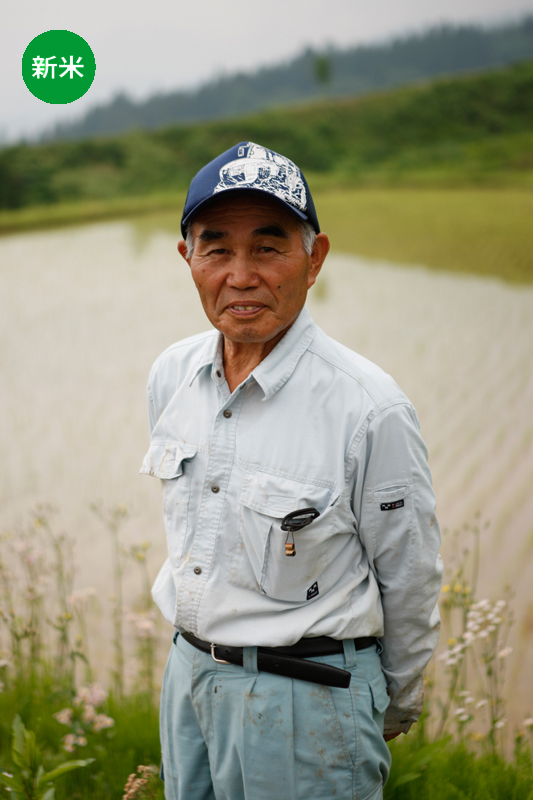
[(405, 708)]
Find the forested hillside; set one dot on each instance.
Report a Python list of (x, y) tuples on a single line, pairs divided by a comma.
[(471, 129), (332, 73)]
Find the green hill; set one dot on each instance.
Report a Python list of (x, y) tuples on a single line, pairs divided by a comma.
[(471, 130), (335, 72)]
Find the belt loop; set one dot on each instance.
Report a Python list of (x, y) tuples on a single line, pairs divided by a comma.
[(350, 654), (249, 660), (379, 647), (175, 636)]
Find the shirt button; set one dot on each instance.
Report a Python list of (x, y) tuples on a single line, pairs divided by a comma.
[(215, 488), (227, 413), (197, 570)]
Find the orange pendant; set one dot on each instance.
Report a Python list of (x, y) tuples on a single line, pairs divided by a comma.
[(290, 550)]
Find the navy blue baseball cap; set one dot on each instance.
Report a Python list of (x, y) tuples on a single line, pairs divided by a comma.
[(246, 168)]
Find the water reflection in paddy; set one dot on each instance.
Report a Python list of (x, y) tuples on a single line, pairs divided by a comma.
[(86, 310)]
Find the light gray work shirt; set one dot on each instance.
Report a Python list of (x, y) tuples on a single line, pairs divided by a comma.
[(315, 424)]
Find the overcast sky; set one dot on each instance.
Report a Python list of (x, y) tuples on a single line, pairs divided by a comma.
[(146, 45)]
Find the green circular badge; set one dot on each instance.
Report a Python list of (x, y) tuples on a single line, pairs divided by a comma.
[(58, 66)]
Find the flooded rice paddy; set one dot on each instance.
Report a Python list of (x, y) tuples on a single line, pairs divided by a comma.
[(85, 311)]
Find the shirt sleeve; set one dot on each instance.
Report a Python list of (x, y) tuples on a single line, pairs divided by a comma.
[(400, 533), (152, 416)]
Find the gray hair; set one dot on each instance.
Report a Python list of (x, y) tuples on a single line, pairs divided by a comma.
[(307, 232)]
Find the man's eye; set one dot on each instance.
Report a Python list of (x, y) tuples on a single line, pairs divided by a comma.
[(219, 251), (267, 249)]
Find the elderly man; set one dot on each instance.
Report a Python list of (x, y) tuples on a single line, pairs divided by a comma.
[(303, 567)]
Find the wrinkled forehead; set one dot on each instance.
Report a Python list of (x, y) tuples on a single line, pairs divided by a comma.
[(229, 210)]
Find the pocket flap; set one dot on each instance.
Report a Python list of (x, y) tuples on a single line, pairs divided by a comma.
[(165, 459), (276, 496), (380, 697), (393, 494)]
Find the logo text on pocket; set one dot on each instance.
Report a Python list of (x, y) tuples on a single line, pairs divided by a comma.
[(392, 506), (312, 591)]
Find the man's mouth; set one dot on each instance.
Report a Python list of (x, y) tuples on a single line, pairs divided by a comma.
[(245, 309)]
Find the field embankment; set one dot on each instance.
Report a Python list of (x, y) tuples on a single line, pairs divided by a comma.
[(474, 230), (477, 231)]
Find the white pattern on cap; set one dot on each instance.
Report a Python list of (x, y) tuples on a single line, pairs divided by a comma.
[(259, 168)]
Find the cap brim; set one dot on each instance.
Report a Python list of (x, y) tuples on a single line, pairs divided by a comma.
[(239, 191)]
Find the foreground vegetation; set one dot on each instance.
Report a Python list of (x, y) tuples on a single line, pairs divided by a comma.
[(446, 771), (62, 733)]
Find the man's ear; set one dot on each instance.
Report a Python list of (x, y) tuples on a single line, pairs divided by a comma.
[(317, 258), (182, 250)]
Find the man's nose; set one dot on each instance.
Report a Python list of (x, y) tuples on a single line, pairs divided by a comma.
[(242, 272)]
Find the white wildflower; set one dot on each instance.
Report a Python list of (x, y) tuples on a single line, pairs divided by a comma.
[(69, 742), (88, 713), (464, 718), (144, 624), (460, 711), (481, 703), (501, 723), (528, 723), (97, 695), (483, 634), (102, 721), (80, 598), (505, 652), (500, 604), (64, 717), (92, 695), (464, 694)]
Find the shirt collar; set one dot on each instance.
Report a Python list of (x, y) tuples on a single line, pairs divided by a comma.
[(211, 355), (276, 368), (279, 365)]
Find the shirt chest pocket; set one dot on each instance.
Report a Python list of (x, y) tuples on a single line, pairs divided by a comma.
[(259, 562), (172, 462)]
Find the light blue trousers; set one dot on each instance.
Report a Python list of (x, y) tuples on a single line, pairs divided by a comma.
[(229, 733)]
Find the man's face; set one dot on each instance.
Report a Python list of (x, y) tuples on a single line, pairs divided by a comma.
[(250, 267)]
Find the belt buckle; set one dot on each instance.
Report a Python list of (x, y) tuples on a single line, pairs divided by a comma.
[(213, 656)]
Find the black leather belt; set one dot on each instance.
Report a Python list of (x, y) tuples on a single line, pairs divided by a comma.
[(289, 661)]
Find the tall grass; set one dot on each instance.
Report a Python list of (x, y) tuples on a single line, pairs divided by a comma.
[(461, 747)]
